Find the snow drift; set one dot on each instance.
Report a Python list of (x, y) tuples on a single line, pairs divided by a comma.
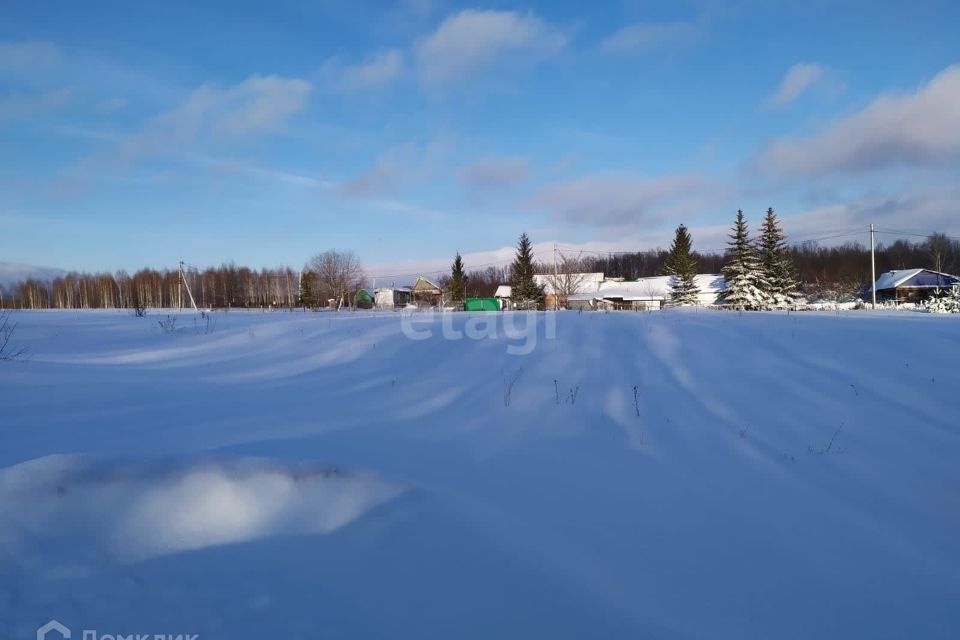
[(669, 475)]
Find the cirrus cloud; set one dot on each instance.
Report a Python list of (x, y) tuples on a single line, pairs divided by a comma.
[(259, 104), (374, 72), (18, 56), (473, 40), (921, 128), (492, 172), (799, 78), (646, 36), (616, 199)]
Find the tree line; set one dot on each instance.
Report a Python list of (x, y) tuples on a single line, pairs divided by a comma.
[(333, 278), (227, 286)]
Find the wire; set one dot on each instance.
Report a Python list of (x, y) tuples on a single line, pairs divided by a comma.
[(889, 231), (795, 242), (465, 266)]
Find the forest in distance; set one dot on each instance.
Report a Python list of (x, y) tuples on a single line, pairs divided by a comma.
[(829, 273)]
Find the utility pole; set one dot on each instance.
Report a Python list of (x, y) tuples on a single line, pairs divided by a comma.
[(873, 268), (180, 286), (193, 303), (556, 280)]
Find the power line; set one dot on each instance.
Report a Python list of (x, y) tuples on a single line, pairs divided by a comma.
[(900, 232), (795, 242), (444, 269)]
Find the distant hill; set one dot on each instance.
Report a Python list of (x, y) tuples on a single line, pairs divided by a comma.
[(12, 273)]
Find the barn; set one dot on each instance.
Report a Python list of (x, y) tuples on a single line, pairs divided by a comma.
[(912, 285), (392, 297)]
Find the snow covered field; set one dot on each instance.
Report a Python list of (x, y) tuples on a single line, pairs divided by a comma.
[(314, 475)]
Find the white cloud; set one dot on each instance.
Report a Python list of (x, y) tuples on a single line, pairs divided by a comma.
[(111, 105), (21, 105), (495, 172), (259, 104), (418, 7), (799, 78), (397, 168), (923, 209), (646, 36), (473, 40), (17, 56), (617, 199), (920, 128), (375, 72)]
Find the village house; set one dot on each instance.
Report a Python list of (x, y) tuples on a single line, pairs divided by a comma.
[(645, 293), (426, 293), (562, 285), (912, 285)]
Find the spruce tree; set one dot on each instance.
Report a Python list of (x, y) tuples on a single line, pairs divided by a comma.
[(742, 270), (524, 289), (458, 281), (683, 267), (308, 288), (779, 274)]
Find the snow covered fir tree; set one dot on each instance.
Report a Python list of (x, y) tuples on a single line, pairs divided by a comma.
[(744, 276), (682, 265), (779, 281), (525, 291), (945, 301), (760, 274)]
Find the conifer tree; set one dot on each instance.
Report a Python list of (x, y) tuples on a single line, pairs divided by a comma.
[(779, 275), (308, 288), (458, 281), (742, 270), (524, 289), (682, 265)]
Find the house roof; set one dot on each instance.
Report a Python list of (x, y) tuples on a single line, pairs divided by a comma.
[(901, 278), (424, 284), (503, 291), (656, 288), (586, 281)]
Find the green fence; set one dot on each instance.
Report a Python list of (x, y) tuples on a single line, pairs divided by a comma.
[(481, 304)]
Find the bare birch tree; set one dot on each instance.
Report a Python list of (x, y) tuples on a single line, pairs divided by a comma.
[(569, 279), (338, 273)]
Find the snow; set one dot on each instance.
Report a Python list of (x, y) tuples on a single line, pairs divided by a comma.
[(891, 279), (895, 279), (503, 291), (685, 474), (654, 288), (586, 282)]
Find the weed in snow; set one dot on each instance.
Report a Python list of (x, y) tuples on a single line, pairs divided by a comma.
[(169, 325), (7, 352), (508, 382), (206, 325), (571, 396), (828, 448)]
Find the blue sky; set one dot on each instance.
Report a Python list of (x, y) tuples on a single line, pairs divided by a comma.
[(132, 134)]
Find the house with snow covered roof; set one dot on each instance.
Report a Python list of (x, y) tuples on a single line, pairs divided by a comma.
[(912, 285), (426, 293), (562, 285), (645, 293)]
